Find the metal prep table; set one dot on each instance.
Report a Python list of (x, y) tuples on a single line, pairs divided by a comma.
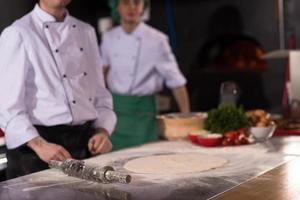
[(245, 163), (3, 161)]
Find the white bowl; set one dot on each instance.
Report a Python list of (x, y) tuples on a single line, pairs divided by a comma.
[(262, 133)]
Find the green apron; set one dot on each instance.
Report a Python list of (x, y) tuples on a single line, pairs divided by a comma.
[(136, 122)]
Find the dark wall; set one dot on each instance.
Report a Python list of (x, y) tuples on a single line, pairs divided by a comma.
[(293, 20), (90, 10), (13, 9), (191, 19), (192, 22)]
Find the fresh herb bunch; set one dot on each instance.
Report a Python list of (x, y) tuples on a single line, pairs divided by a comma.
[(226, 118)]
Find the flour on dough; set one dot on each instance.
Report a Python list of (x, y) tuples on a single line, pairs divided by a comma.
[(174, 163)]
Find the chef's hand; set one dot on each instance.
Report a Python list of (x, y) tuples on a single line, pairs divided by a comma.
[(99, 143), (48, 151)]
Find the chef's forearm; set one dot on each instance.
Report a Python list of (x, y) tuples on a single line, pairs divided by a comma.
[(36, 142), (182, 98)]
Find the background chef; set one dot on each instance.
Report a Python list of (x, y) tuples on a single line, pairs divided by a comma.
[(138, 60)]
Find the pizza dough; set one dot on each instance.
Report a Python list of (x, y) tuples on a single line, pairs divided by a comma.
[(174, 163)]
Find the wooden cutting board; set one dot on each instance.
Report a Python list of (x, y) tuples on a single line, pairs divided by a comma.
[(280, 183)]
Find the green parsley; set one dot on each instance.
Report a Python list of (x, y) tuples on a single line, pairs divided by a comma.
[(226, 118)]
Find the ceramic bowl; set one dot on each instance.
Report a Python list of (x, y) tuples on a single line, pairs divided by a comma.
[(262, 133), (193, 135), (210, 140)]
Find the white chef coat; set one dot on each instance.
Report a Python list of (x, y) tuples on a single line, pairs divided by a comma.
[(140, 62), (50, 74)]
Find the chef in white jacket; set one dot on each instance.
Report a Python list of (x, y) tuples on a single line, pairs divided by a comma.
[(54, 104), (138, 60)]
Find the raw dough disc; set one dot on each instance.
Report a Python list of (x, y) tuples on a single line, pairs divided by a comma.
[(174, 163)]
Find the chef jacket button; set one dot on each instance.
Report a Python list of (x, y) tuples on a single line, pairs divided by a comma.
[(74, 26), (84, 73), (81, 49), (56, 50), (65, 76), (74, 102), (90, 99), (47, 26)]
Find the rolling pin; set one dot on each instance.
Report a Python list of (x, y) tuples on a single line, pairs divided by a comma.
[(78, 169)]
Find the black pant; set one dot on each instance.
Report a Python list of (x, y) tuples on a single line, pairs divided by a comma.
[(23, 160)]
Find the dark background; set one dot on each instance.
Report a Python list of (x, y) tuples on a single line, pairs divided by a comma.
[(188, 30)]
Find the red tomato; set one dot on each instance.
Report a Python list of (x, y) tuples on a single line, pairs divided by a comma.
[(237, 141), (225, 142), (241, 130), (230, 141), (231, 135), (244, 140)]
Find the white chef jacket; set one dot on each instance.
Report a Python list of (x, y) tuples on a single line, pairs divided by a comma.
[(50, 74), (139, 63)]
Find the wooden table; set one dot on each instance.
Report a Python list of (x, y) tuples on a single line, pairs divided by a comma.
[(280, 183)]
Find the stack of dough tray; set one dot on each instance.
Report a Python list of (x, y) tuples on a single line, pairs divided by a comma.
[(177, 126)]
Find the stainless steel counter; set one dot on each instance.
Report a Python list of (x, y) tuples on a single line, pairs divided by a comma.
[(245, 162)]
